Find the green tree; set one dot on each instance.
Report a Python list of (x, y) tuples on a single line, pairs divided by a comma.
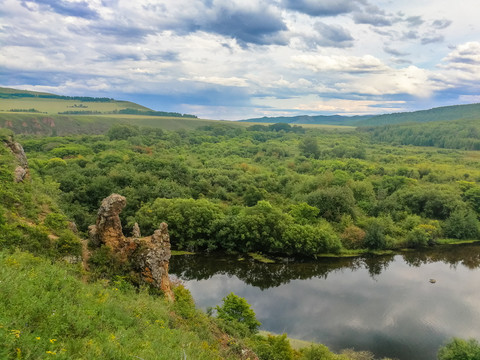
[(459, 349), (309, 147), (236, 308)]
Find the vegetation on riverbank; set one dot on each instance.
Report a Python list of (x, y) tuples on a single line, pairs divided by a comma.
[(268, 190)]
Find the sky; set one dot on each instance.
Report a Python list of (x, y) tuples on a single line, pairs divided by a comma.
[(238, 59)]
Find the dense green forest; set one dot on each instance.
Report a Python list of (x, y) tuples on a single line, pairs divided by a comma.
[(78, 313), (458, 134), (276, 189), (269, 189)]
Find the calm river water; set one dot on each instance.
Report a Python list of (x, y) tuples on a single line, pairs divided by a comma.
[(386, 305)]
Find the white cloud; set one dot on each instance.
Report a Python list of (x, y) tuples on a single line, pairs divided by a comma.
[(348, 64)]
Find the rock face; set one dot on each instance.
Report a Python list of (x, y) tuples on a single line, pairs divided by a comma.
[(149, 255), (108, 228), (155, 259), (21, 171)]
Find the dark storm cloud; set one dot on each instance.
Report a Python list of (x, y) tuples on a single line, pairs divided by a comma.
[(331, 36), (77, 9), (260, 26), (432, 39), (441, 23), (321, 8)]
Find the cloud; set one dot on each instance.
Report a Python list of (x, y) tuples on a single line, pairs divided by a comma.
[(441, 23), (68, 8), (394, 52), (464, 57), (329, 36), (259, 24), (344, 64), (410, 35), (414, 20), (373, 15), (431, 39), (321, 8)]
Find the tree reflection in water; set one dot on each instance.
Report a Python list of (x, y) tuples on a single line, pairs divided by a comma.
[(264, 276)]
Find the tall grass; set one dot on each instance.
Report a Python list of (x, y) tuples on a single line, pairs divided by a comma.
[(48, 313)]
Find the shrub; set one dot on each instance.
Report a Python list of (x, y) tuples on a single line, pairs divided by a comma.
[(353, 237), (459, 349), (462, 224), (237, 309), (273, 347)]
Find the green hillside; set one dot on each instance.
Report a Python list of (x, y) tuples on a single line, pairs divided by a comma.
[(311, 120), (445, 113), (30, 112), (454, 134)]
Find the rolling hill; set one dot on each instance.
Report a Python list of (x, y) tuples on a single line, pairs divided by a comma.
[(445, 113), (30, 112)]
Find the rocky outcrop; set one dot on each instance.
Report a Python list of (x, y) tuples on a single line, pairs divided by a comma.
[(21, 171), (108, 228), (155, 258), (148, 256)]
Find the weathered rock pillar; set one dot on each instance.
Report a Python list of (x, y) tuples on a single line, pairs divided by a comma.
[(148, 255)]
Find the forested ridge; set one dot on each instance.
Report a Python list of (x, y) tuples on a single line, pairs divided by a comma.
[(458, 134), (271, 189)]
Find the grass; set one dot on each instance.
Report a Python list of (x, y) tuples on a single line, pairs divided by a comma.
[(54, 106), (261, 258), (47, 312), (61, 125)]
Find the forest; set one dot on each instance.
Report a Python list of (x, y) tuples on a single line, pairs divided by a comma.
[(277, 189)]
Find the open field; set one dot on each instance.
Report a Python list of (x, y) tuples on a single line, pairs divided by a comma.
[(43, 124), (54, 106)]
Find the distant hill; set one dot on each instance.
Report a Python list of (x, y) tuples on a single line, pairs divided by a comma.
[(445, 113), (311, 120), (23, 101), (31, 112)]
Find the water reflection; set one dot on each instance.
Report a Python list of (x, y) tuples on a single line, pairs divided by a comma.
[(382, 304)]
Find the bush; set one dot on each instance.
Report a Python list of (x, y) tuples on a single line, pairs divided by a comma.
[(459, 349), (272, 347), (353, 237), (462, 224), (237, 309)]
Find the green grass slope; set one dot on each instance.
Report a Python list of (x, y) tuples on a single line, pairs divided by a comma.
[(41, 124), (29, 112), (32, 101)]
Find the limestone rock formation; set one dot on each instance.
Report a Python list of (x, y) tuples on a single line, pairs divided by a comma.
[(136, 231), (108, 228), (21, 171), (149, 256)]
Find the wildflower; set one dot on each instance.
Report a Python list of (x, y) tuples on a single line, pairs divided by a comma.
[(37, 338), (50, 352), (16, 333), (53, 340)]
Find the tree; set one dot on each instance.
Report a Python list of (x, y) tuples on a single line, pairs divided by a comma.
[(236, 308), (459, 349), (309, 147)]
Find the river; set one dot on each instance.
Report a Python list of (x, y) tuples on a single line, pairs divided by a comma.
[(384, 304)]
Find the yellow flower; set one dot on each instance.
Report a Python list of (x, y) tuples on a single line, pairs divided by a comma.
[(37, 338), (16, 333), (53, 340), (50, 352)]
